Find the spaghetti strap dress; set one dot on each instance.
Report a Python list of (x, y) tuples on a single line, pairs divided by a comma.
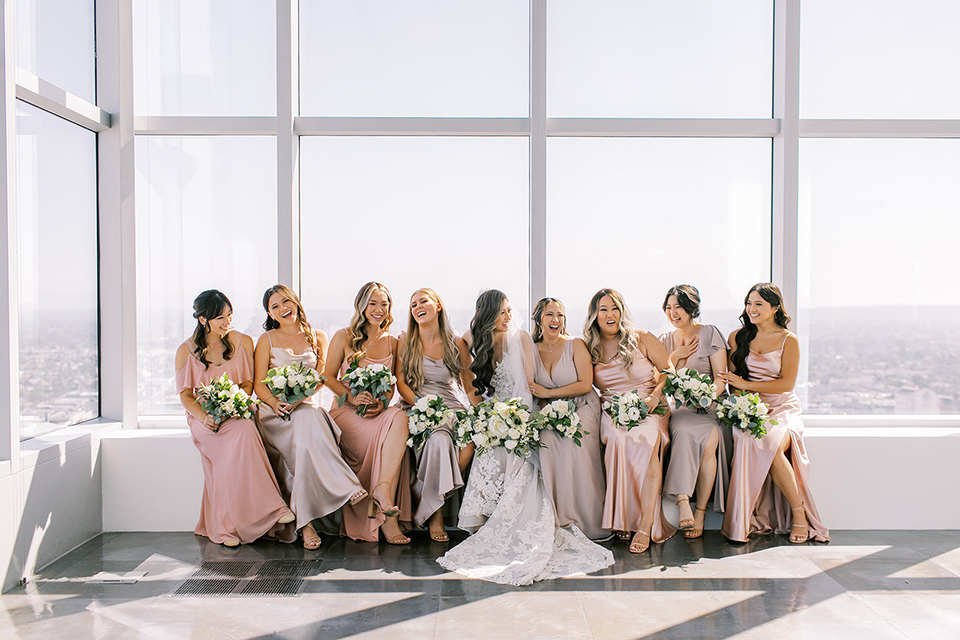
[(361, 440), (754, 503), (303, 451), (241, 498), (572, 475)]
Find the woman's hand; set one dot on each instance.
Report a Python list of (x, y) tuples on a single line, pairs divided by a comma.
[(732, 379), (282, 409), (539, 391), (210, 423), (685, 350), (374, 406), (651, 402)]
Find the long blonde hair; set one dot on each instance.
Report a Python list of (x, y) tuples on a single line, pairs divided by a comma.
[(538, 318), (358, 324), (411, 347), (627, 334), (302, 323)]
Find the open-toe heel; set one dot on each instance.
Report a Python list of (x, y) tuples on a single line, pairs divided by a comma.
[(684, 524), (637, 545), (376, 508), (695, 532), (358, 497), (799, 533)]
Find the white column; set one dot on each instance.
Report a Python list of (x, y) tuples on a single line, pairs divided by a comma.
[(538, 151), (786, 148), (118, 240), (288, 144), (9, 274)]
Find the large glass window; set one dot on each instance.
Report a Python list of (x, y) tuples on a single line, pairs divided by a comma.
[(878, 292), (414, 58), (879, 59), (55, 41), (57, 206), (206, 219), (205, 57), (641, 215), (655, 59), (446, 213)]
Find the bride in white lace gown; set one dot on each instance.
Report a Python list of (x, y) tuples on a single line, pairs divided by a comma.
[(507, 509)]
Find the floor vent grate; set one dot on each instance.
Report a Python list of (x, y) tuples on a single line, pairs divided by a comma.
[(223, 568), (290, 568), (207, 587), (245, 578), (272, 587)]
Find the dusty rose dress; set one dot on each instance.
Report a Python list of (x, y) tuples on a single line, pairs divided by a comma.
[(628, 453), (360, 442), (438, 472), (689, 430), (572, 475), (241, 498), (304, 453), (754, 504)]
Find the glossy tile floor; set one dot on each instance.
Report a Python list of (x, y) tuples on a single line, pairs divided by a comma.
[(864, 584)]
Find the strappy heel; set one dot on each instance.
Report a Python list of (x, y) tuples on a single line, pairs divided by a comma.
[(694, 532), (799, 533), (639, 547), (374, 507), (685, 524), (358, 497)]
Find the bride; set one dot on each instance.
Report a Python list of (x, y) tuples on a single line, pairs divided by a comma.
[(515, 536)]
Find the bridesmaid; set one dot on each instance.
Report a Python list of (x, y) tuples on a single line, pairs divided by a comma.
[(241, 500), (627, 359), (374, 445), (430, 365), (573, 475), (697, 449), (299, 437), (765, 360)]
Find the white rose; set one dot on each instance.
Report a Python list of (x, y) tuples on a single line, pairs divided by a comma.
[(634, 413), (513, 433), (410, 442), (510, 444)]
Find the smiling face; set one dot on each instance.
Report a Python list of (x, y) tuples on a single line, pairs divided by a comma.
[(758, 310), (553, 320), (502, 323), (608, 317), (378, 308), (676, 314), (282, 309), (220, 326), (423, 308)]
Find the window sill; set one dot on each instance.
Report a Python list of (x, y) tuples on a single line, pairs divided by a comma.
[(57, 444)]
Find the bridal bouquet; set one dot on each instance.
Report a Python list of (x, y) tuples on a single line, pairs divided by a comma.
[(496, 423), (426, 415), (292, 383), (627, 410), (690, 388), (746, 412), (222, 400), (375, 378), (561, 416)]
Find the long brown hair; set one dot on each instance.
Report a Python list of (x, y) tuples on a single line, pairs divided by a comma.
[(538, 318), (626, 333), (748, 331), (481, 329), (302, 323), (358, 324), (411, 347), (208, 305)]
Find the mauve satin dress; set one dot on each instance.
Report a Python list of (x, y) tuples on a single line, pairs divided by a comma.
[(754, 504), (241, 498), (573, 476), (628, 453)]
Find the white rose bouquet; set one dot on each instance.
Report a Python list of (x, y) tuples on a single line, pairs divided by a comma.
[(293, 383), (496, 423), (426, 415), (627, 410), (375, 378), (690, 388), (561, 416), (222, 399), (746, 412)]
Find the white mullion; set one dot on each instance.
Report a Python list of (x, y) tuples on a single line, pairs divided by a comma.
[(9, 278), (538, 151), (205, 125), (49, 97), (116, 221), (664, 127), (879, 128), (786, 149), (362, 126), (288, 145)]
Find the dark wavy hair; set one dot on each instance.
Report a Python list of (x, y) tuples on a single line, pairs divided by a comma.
[(771, 293), (481, 328), (304, 326), (538, 318), (687, 297), (208, 305)]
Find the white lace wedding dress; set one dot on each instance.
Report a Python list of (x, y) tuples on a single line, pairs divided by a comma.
[(507, 509)]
